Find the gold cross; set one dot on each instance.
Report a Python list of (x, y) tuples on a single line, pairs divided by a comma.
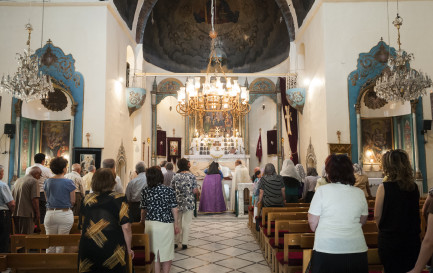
[(217, 132), (288, 118)]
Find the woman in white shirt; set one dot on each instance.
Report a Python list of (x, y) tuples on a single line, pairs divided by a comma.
[(337, 212)]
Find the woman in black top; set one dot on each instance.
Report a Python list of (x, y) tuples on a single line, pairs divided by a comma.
[(397, 214), (159, 212), (106, 234), (271, 188)]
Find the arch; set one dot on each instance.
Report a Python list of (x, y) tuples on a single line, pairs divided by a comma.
[(130, 66)]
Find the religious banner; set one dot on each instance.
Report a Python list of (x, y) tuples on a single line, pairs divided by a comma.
[(272, 142), (259, 151), (291, 121), (174, 151), (161, 143)]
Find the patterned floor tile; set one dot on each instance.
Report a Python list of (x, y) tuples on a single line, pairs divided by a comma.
[(214, 238), (211, 268), (193, 251), (212, 257), (179, 256), (232, 242), (214, 246), (256, 268), (234, 263), (197, 242), (233, 251), (175, 269), (190, 263), (252, 256), (249, 246)]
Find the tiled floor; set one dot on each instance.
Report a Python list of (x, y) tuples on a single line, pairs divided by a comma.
[(220, 243)]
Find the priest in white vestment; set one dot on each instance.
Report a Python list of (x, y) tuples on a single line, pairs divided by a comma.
[(241, 176)]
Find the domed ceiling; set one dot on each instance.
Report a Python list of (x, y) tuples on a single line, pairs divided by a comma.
[(253, 35)]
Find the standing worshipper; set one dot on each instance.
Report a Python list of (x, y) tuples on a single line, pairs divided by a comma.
[(106, 228), (361, 180), (163, 166), (159, 212), (336, 215), (46, 173), (7, 206), (212, 198), (87, 178), (168, 176), (78, 182), (397, 215), (60, 193), (241, 176), (310, 185), (185, 186), (272, 191), (291, 179), (301, 171), (134, 189), (111, 164), (256, 178), (26, 196)]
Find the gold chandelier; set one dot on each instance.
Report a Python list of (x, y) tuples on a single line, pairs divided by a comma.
[(216, 94)]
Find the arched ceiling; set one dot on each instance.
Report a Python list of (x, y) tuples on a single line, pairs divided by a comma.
[(254, 35)]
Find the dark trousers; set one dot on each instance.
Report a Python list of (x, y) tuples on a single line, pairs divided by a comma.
[(339, 263), (5, 230), (42, 206), (135, 211)]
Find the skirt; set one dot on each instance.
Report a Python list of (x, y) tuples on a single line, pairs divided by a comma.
[(339, 263), (161, 237)]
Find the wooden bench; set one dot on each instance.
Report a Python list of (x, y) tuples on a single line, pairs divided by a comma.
[(143, 259), (137, 228), (74, 229), (40, 263), (41, 242)]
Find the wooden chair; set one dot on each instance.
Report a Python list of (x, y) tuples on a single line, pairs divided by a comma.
[(40, 263), (143, 259), (370, 226)]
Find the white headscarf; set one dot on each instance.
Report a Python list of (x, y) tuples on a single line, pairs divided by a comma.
[(301, 171), (357, 169), (288, 169)]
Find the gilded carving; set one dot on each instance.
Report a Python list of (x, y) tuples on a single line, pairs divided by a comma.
[(372, 101), (56, 101)]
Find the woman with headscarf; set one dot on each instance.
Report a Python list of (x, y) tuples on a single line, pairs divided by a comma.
[(212, 198), (291, 179), (361, 180), (322, 180), (310, 185), (271, 188), (301, 171)]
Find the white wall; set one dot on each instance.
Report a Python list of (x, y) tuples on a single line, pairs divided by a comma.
[(79, 31), (314, 120), (119, 127), (266, 120)]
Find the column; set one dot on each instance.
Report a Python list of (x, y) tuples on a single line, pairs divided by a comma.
[(413, 105), (279, 126), (18, 106), (154, 121), (358, 133), (71, 133)]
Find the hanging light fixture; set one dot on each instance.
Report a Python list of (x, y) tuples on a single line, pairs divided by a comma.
[(216, 94), (28, 83), (401, 82)]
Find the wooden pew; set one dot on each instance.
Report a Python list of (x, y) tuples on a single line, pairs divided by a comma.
[(267, 210), (74, 229), (143, 259), (40, 242), (137, 228), (273, 217), (40, 263)]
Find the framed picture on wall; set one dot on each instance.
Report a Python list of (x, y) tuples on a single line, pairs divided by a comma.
[(174, 149), (54, 139), (340, 149), (86, 157), (376, 139)]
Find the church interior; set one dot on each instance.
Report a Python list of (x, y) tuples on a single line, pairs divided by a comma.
[(216, 80)]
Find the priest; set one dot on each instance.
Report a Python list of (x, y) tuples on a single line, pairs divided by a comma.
[(241, 176)]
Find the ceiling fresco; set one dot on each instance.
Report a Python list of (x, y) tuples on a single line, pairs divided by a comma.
[(254, 35), (251, 34)]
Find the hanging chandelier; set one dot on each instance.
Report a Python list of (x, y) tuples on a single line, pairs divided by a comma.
[(216, 94), (28, 83), (401, 82)]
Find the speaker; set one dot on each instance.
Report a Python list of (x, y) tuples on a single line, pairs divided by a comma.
[(9, 130), (426, 125)]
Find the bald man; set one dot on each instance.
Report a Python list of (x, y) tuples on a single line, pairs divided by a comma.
[(79, 191), (26, 195)]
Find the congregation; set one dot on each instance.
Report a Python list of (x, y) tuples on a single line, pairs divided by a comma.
[(165, 201)]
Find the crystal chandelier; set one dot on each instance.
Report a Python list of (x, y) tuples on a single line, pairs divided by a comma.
[(216, 94), (28, 83), (401, 83)]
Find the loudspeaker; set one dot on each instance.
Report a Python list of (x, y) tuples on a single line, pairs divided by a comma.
[(426, 125), (9, 130)]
